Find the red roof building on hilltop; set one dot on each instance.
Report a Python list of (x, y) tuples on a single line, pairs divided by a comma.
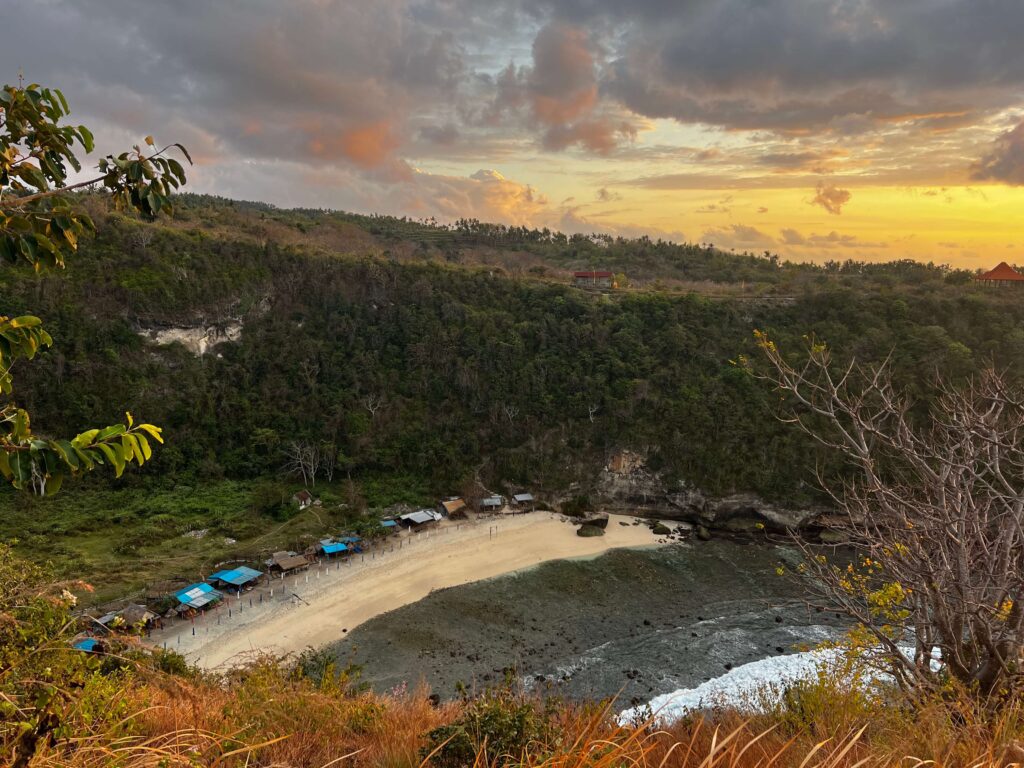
[(1003, 274)]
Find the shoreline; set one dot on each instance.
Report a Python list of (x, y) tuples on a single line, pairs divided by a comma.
[(319, 607)]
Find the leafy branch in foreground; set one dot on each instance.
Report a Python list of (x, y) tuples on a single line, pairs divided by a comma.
[(934, 512), (39, 226)]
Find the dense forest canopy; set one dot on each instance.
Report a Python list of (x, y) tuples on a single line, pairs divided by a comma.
[(473, 370), (419, 368)]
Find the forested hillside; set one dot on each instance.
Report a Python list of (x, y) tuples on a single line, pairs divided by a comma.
[(421, 366)]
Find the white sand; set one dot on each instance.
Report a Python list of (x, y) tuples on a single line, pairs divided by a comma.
[(344, 596)]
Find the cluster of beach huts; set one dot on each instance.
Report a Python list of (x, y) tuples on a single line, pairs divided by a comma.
[(191, 600)]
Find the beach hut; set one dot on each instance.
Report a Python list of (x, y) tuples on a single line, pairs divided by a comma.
[(236, 578), (390, 527), (492, 503), (196, 597), (420, 518), (331, 547), (453, 507), (354, 543), (523, 501), (287, 561), (132, 616)]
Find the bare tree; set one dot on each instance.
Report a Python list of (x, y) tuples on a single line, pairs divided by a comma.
[(310, 370), (373, 403), (303, 459), (141, 237), (511, 411), (329, 459), (592, 409), (934, 511)]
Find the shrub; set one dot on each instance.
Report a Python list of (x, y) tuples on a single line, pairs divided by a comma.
[(576, 506), (272, 500), (499, 724)]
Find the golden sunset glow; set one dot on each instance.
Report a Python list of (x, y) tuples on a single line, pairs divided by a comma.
[(816, 129)]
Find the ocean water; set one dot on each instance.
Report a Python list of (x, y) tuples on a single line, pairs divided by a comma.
[(633, 624)]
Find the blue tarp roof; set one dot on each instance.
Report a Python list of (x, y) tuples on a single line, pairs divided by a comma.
[(237, 576), (88, 645), (389, 523), (197, 595), (334, 548)]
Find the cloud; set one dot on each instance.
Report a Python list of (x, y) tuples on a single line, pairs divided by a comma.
[(810, 65), (558, 94), (1005, 160), (737, 236), (792, 237), (831, 198), (784, 162), (832, 240), (713, 208)]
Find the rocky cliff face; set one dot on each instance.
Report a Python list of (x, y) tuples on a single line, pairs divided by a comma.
[(197, 339), (627, 484)]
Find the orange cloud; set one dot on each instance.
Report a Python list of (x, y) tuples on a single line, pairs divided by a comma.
[(367, 146)]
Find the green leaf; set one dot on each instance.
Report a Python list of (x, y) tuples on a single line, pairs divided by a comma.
[(85, 438), (66, 451), (53, 483), (108, 432), (86, 136), (21, 469), (114, 455)]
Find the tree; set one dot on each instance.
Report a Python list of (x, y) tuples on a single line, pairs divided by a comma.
[(934, 512), (39, 226)]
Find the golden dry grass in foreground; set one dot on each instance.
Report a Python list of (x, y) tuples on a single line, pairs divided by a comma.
[(266, 716)]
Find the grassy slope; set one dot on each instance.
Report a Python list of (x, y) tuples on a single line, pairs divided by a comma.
[(123, 541)]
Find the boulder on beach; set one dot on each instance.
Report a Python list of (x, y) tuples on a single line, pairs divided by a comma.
[(703, 533), (590, 530), (595, 519), (660, 529)]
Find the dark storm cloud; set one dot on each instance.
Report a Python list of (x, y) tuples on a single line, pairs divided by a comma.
[(800, 65), (318, 80), (1005, 159)]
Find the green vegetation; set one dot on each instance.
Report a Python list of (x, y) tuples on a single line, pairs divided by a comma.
[(417, 376), (125, 540), (39, 226)]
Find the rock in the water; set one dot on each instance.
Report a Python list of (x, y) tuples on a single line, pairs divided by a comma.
[(703, 533), (589, 530)]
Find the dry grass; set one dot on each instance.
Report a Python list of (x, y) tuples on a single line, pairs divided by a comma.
[(266, 716)]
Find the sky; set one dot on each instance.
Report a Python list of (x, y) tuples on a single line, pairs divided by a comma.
[(816, 129)]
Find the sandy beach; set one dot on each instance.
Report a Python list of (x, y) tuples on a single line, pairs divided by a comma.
[(321, 605)]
